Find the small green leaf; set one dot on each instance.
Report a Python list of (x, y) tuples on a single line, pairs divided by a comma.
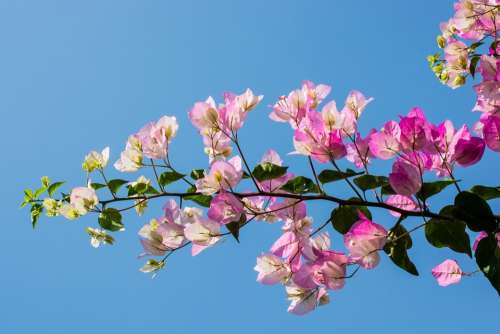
[(203, 200), (486, 193), (110, 219), (432, 188), (398, 250), (488, 260), (387, 190), (473, 63), (170, 177), (300, 185), (197, 174), (344, 216), (448, 233), (234, 227), (36, 211), (53, 188), (268, 171), (114, 185), (329, 175), (245, 175), (474, 211), (97, 186), (39, 191), (366, 182)]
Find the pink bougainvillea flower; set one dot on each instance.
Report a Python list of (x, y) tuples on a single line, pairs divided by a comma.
[(203, 234), (447, 273), (248, 101), (291, 108), (469, 151), (405, 178), (292, 210), (415, 131), (225, 208), (222, 175), (204, 115), (356, 102), (385, 144), (305, 300), (363, 241), (491, 132), (153, 141), (83, 199), (359, 152), (172, 235), (130, 159), (271, 269), (312, 138), (401, 202)]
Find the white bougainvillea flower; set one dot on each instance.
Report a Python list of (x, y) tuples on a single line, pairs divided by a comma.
[(95, 160), (271, 269)]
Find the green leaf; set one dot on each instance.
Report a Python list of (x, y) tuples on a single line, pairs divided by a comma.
[(366, 182), (203, 200), (474, 211), (197, 174), (398, 250), (36, 211), (234, 227), (28, 196), (329, 175), (448, 233), (387, 190), (110, 219), (39, 191), (245, 175), (486, 193), (170, 177), (268, 171), (53, 188), (300, 185), (97, 186), (344, 216), (432, 188), (114, 185), (488, 260), (473, 63)]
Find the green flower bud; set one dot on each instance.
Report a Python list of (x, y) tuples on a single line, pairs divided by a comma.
[(441, 41), (459, 80)]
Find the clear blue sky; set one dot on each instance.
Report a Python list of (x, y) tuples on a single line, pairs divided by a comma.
[(80, 75)]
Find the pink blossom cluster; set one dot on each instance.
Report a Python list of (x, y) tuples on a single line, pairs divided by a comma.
[(151, 141), (416, 144), (475, 22), (218, 124), (306, 265)]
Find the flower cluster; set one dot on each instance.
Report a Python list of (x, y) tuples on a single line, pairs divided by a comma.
[(151, 142), (218, 124), (308, 267), (475, 22)]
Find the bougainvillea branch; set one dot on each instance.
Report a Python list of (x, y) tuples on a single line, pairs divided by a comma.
[(236, 192)]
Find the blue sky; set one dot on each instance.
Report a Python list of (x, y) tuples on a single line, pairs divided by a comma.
[(77, 76)]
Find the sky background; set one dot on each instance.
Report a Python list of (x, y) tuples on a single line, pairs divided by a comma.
[(81, 75)]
